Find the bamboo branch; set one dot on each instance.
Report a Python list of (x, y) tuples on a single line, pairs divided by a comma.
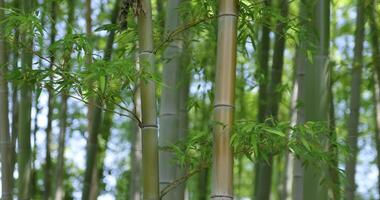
[(181, 179)]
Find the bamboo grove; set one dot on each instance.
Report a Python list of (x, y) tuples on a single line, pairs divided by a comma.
[(190, 99)]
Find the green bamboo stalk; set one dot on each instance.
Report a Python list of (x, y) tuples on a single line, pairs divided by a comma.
[(272, 103), (95, 153), (94, 120), (264, 68), (203, 180), (89, 187), (376, 97), (376, 61), (105, 132), (352, 137), (298, 171), (50, 107), (34, 177), (259, 179), (136, 155), (148, 106), (60, 168), (287, 185), (201, 119), (5, 145), (316, 87), (334, 190), (300, 62), (88, 61), (169, 109), (24, 157), (222, 168), (107, 121), (15, 92), (278, 61), (241, 83), (183, 123)]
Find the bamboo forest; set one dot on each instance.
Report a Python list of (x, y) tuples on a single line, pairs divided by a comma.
[(190, 99)]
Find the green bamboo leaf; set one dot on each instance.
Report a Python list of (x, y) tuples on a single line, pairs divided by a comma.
[(276, 132), (102, 83)]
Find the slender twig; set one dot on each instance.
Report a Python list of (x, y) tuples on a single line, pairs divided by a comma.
[(182, 179), (132, 115), (181, 29)]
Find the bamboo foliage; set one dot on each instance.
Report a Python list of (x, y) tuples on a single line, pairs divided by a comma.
[(222, 175), (148, 106), (92, 68)]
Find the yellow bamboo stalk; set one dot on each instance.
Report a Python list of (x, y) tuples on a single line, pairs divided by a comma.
[(222, 173)]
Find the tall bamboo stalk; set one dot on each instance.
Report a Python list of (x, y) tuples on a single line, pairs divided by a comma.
[(352, 138), (34, 177), (299, 118), (136, 155), (148, 105), (259, 179), (107, 121), (60, 169), (95, 153), (242, 114), (376, 61), (222, 168), (316, 86), (183, 118), (5, 145), (376, 98), (24, 157), (15, 92), (287, 185), (334, 190), (272, 103), (50, 107), (92, 148), (169, 109), (202, 117), (94, 121)]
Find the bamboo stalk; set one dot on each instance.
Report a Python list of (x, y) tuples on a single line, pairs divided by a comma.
[(24, 157), (222, 169), (148, 106), (48, 162), (60, 169), (352, 138), (316, 87), (136, 155), (5, 144), (376, 60), (169, 108)]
